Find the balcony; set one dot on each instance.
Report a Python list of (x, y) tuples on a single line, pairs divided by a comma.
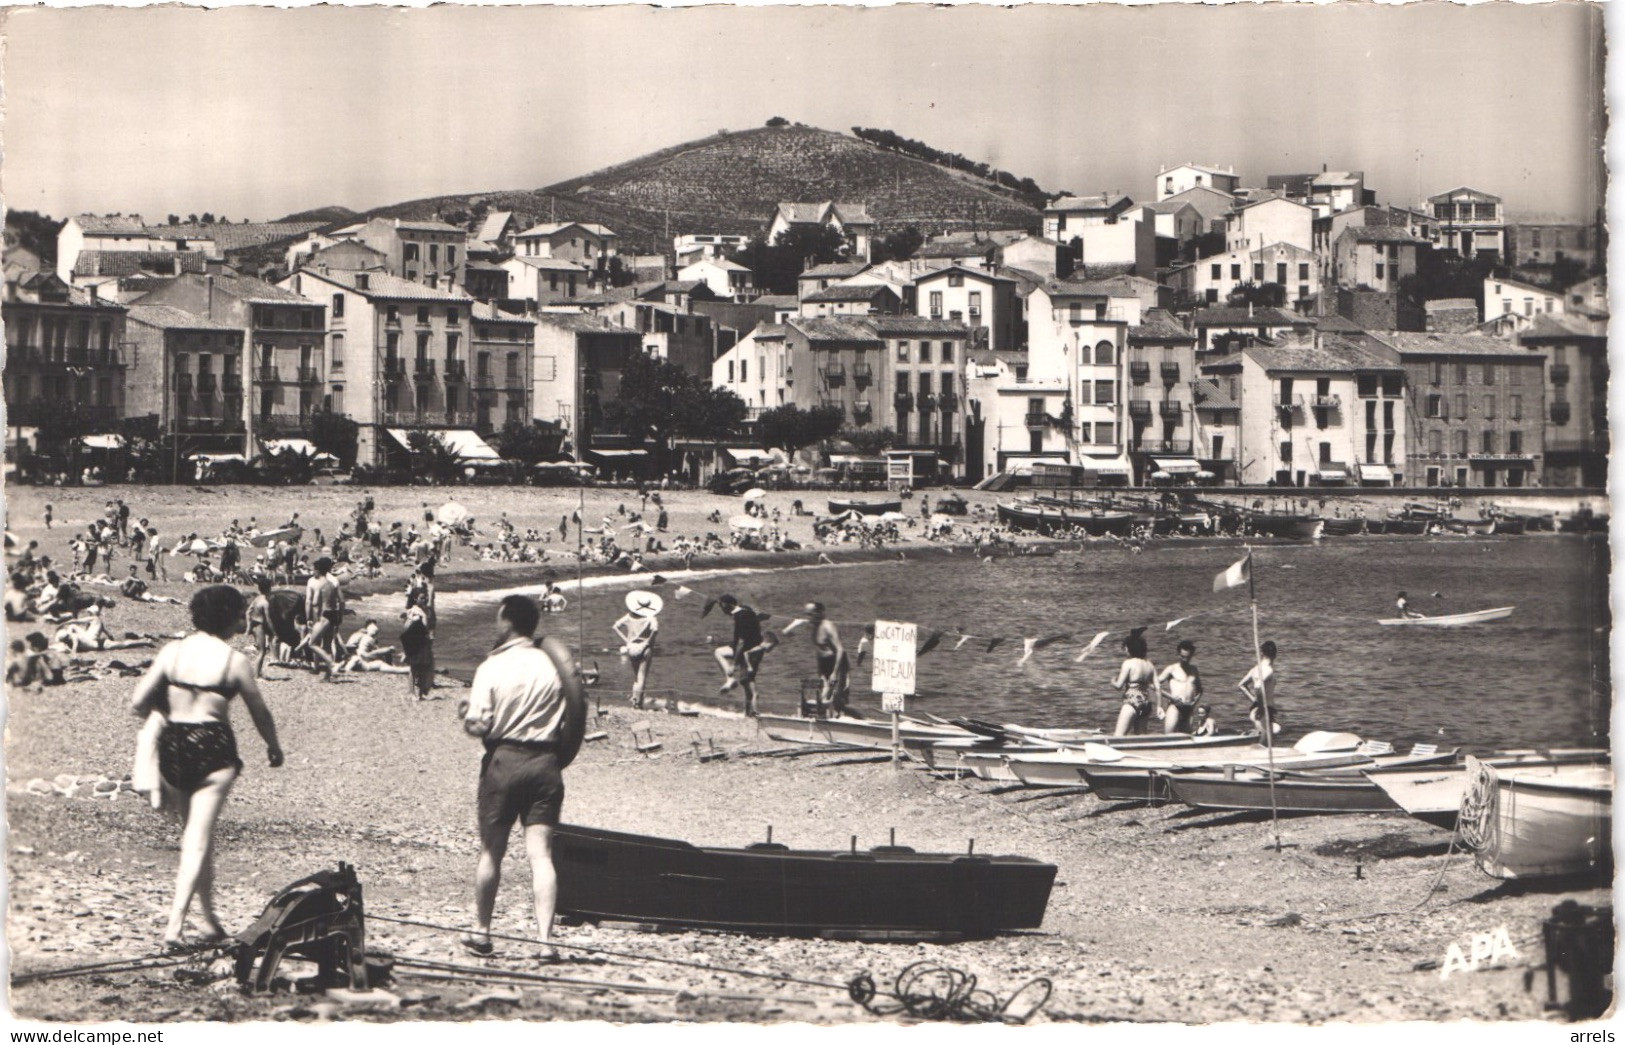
[(863, 411), (423, 369), (484, 380), (456, 370), (1164, 446), (862, 374), (1561, 412), (905, 402), (1139, 372), (232, 383), (207, 385), (1560, 373), (928, 402), (1289, 404), (269, 375), (208, 424), (1170, 373), (515, 382), (394, 368), (393, 319), (834, 374), (1139, 409), (948, 402), (1171, 411), (309, 375), (282, 424), (1327, 402)]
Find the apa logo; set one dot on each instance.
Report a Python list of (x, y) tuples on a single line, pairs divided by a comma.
[(1486, 948)]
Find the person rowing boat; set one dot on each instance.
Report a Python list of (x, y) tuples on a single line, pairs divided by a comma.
[(1404, 607)]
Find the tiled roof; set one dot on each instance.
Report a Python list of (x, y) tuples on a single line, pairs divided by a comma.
[(678, 287), (1104, 201), (491, 228), (487, 311), (1555, 325), (803, 213), (248, 288), (834, 328), (916, 326), (1240, 317), (956, 248), (239, 236), (1213, 395), (134, 262), (1333, 356), (1409, 343), (383, 285), (123, 225), (427, 226), (835, 270), (768, 332), (853, 213), (168, 316), (481, 265), (850, 292), (1158, 325), (1228, 173), (1464, 193), (986, 277), (580, 323), (779, 300), (347, 246)]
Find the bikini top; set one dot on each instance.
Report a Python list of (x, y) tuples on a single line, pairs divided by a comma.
[(221, 688)]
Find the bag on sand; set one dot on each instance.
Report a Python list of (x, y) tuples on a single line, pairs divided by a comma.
[(145, 778)]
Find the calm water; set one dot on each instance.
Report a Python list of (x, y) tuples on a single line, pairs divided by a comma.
[(1525, 680)]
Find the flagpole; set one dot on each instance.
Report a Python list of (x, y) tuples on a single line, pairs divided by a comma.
[(1263, 699)]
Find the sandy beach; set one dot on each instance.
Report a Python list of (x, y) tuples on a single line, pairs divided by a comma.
[(1157, 915)]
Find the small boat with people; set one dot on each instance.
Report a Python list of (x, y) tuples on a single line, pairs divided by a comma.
[(1538, 821), (1051, 518), (1450, 620), (841, 507), (887, 892)]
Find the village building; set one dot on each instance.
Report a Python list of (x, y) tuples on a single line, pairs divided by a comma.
[(1575, 356), (727, 280), (982, 300), (1479, 408), (1171, 181), (427, 252), (850, 220), (1469, 222), (577, 368), (504, 350), (67, 354), (1211, 280), (187, 371), (1269, 220)]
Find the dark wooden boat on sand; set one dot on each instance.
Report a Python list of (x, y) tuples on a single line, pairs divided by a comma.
[(890, 892), (864, 507)]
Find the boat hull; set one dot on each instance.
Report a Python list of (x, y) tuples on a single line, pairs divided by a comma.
[(1407, 527), (1344, 527), (1301, 527), (1295, 795), (1539, 824), (1050, 520), (870, 734), (1454, 620), (1433, 795), (892, 892), (864, 507)]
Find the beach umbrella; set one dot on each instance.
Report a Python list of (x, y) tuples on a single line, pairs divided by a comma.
[(199, 546), (1204, 474), (755, 493), (451, 513), (745, 522), (893, 517), (1160, 476)]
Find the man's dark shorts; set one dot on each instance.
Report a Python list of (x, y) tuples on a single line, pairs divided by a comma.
[(521, 783)]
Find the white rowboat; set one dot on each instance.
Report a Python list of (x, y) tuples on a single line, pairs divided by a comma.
[(1454, 620), (1538, 822)]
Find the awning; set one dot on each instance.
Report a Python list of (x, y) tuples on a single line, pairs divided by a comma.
[(1177, 465), (218, 458), (103, 442), (1331, 473), (744, 456), (1024, 465), (468, 446), (298, 446), (836, 460), (1376, 473), (619, 453), (399, 435), (1106, 465)]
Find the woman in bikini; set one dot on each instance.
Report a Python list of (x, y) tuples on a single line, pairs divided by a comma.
[(1136, 678), (637, 631), (192, 681)]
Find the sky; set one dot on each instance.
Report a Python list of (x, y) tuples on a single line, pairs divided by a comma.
[(261, 112)]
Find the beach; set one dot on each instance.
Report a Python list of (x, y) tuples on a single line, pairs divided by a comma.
[(1157, 915)]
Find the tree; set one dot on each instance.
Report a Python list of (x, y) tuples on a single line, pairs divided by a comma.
[(1444, 274), (529, 443), (191, 219), (433, 458), (335, 434), (897, 246), (659, 400), (791, 428), (778, 121), (208, 217), (776, 265), (174, 219), (1262, 295), (869, 442)]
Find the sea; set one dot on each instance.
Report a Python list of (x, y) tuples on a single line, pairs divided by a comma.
[(1540, 677)]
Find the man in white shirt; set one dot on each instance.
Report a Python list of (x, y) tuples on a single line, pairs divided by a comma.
[(527, 706)]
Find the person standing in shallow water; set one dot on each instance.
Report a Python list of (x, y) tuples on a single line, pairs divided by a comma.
[(637, 631), (192, 682), (1184, 689), (1259, 685), (1135, 678)]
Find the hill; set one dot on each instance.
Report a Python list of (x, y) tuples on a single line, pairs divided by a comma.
[(326, 215), (731, 182)]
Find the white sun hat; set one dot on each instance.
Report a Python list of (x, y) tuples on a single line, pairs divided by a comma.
[(644, 603)]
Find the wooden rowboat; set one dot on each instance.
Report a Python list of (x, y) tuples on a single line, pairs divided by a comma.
[(864, 507), (1433, 795), (1538, 822), (1453, 620), (290, 534), (891, 892), (868, 734), (1307, 791)]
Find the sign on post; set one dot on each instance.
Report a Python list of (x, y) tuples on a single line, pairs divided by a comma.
[(893, 674)]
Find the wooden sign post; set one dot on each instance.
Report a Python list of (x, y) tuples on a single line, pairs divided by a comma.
[(893, 676)]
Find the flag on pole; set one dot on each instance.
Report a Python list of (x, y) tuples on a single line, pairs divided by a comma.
[(682, 590), (1174, 623), (793, 625), (1026, 651), (993, 644), (1238, 574), (962, 640), (710, 604), (932, 641)]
